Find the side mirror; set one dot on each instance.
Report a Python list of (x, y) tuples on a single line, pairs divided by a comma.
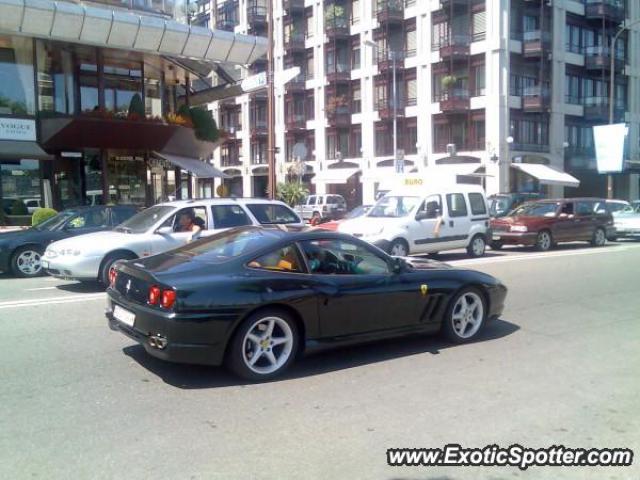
[(399, 265), (164, 231)]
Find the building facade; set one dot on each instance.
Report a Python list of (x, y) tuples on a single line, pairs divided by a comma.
[(90, 99), (483, 88)]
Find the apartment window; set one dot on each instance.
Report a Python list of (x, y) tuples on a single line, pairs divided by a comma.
[(309, 21), (519, 84), (529, 23), (337, 142), (356, 142), (383, 141), (479, 135), (572, 89), (479, 26), (355, 54), (309, 69), (530, 132), (258, 153), (480, 86), (356, 97), (439, 35), (411, 87), (411, 45), (573, 38), (411, 139), (355, 12), (310, 108)]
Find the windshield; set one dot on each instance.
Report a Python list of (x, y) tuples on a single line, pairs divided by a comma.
[(144, 220), (392, 206), (357, 212), (499, 206), (56, 222), (229, 244), (536, 210)]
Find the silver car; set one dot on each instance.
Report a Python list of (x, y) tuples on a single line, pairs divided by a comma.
[(156, 230), (329, 207)]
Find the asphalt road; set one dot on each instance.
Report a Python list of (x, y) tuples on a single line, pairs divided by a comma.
[(561, 367)]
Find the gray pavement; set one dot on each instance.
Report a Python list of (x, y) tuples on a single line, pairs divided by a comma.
[(561, 367)]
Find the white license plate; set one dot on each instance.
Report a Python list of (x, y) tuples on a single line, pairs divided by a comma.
[(45, 264), (124, 316), (496, 237)]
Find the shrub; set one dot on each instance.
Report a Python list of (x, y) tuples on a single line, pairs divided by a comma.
[(42, 214), (136, 107), (204, 125), (292, 193)]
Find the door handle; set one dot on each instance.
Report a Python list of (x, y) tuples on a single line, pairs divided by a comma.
[(451, 223)]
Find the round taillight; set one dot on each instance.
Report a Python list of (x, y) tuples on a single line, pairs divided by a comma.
[(154, 295), (168, 298), (113, 275)]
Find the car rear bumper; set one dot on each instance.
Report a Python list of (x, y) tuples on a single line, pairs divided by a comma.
[(183, 335), (73, 267), (514, 238)]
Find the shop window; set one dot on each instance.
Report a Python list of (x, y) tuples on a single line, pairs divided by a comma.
[(128, 179), (17, 95), (20, 190)]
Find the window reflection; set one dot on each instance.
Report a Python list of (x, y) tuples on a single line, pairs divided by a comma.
[(17, 95), (55, 78)]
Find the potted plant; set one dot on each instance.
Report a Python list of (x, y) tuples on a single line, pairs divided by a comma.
[(448, 82)]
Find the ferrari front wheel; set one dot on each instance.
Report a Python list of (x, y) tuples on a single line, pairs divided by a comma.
[(465, 316), (264, 346)]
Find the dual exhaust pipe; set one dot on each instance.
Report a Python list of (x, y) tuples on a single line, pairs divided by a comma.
[(158, 341)]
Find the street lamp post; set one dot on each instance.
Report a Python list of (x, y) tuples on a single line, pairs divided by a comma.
[(393, 56), (271, 120), (612, 72)]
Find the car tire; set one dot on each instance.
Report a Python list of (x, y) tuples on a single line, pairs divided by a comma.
[(599, 238), (544, 241), (398, 248), (477, 246), (107, 263), (465, 316), (26, 262), (257, 336), (612, 239), (496, 245)]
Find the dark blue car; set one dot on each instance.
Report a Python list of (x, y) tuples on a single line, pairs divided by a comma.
[(21, 251)]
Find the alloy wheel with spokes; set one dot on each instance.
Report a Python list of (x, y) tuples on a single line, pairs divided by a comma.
[(543, 242), (27, 262), (465, 316), (599, 238), (477, 246), (264, 346)]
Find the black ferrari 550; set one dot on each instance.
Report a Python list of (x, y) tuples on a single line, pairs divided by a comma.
[(254, 298)]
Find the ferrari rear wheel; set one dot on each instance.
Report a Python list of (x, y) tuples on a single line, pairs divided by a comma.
[(264, 346), (465, 316)]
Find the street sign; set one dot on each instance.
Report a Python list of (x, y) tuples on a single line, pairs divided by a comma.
[(609, 144), (254, 82)]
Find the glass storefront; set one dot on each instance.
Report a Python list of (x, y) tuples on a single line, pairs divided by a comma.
[(17, 91), (55, 78), (21, 191), (127, 178)]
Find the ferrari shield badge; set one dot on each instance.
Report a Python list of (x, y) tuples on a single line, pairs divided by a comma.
[(424, 289)]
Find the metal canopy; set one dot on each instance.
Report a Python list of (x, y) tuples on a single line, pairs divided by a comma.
[(128, 30), (21, 150), (197, 167)]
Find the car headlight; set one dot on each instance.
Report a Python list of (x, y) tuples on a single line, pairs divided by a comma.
[(519, 228)]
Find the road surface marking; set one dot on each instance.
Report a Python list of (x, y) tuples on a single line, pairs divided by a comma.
[(52, 301), (40, 288), (533, 256)]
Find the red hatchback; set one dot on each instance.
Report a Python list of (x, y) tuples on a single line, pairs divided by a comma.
[(543, 224)]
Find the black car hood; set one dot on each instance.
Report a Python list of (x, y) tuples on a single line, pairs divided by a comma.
[(426, 264), (30, 234)]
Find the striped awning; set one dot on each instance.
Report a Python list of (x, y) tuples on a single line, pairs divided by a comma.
[(126, 29)]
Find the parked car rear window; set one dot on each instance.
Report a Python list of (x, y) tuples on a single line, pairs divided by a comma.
[(229, 216), (478, 205), (122, 214), (456, 204), (268, 214)]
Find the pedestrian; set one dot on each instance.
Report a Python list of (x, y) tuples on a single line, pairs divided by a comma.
[(316, 219)]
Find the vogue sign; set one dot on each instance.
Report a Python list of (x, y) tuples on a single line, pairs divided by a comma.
[(17, 129)]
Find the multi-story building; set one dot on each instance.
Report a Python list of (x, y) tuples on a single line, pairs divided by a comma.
[(483, 87), (91, 96)]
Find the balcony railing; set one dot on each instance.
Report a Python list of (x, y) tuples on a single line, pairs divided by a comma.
[(390, 11), (257, 15), (339, 116), (232, 160), (296, 121), (599, 57), (259, 127), (455, 100), (536, 99), (337, 27), (386, 57), (597, 108), (612, 10), (339, 72), (294, 41), (384, 107), (455, 46), (536, 42), (293, 6)]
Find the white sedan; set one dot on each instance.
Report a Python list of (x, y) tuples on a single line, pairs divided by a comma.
[(627, 223), (156, 230)]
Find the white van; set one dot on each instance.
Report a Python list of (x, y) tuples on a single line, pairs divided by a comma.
[(404, 221)]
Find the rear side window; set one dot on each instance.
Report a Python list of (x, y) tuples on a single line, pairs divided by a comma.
[(268, 214), (456, 205), (122, 214), (229, 216), (477, 203), (284, 260), (585, 208)]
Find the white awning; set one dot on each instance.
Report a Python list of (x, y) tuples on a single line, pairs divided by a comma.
[(336, 175), (451, 170), (547, 175), (197, 167), (126, 29)]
